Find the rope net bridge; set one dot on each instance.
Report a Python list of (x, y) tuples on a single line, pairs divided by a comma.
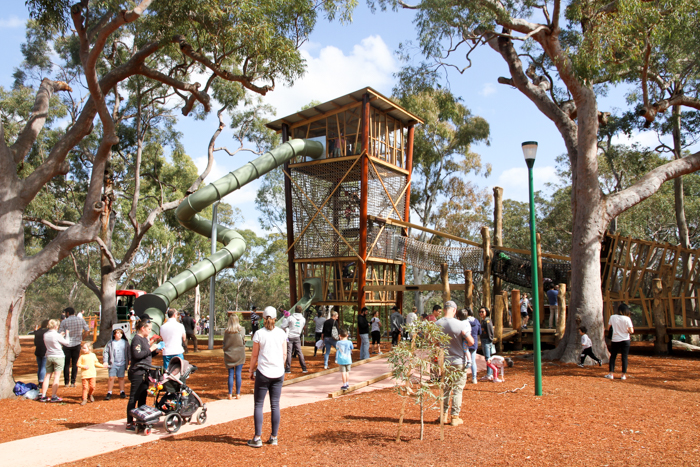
[(517, 269)]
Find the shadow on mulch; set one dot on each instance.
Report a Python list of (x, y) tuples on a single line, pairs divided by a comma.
[(220, 439), (394, 420)]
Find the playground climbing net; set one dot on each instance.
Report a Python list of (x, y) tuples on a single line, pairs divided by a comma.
[(428, 256), (517, 269)]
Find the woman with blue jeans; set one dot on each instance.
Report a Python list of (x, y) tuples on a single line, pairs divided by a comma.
[(328, 338), (476, 330), (486, 337), (234, 353), (267, 370), (40, 351)]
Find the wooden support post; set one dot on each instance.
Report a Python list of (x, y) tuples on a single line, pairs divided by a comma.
[(498, 321), (506, 310), (290, 224), (517, 320), (408, 150), (445, 277), (468, 290), (660, 346), (364, 175), (561, 319), (486, 245), (540, 279), (497, 229)]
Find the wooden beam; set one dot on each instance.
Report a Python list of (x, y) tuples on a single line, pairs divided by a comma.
[(361, 385), (332, 370), (325, 161), (497, 230), (316, 118), (389, 166)]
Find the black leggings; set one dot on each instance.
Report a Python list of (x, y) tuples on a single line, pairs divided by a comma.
[(588, 352), (376, 337), (70, 370), (137, 393), (619, 348), (395, 337), (263, 384)]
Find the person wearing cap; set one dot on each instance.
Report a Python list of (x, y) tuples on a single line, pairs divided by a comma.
[(397, 322), (267, 370), (459, 332), (132, 320), (363, 331)]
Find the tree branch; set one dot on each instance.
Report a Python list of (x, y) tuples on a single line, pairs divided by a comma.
[(619, 202), (193, 89), (40, 112), (246, 81), (84, 277)]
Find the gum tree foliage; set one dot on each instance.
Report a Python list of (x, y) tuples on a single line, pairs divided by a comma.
[(413, 368), (561, 55), (186, 46)]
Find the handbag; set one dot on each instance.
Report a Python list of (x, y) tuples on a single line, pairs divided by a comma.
[(493, 349), (334, 332)]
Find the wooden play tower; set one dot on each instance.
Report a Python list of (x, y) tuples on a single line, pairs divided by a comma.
[(333, 204)]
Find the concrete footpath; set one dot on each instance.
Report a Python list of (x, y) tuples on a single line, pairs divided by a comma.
[(50, 449)]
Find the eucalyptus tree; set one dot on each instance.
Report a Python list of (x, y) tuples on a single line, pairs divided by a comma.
[(570, 51), (187, 46)]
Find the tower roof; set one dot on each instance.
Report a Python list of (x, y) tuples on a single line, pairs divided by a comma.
[(377, 100)]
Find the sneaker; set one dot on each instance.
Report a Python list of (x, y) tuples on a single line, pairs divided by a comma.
[(131, 427), (72, 385), (92, 398), (442, 418), (288, 372), (272, 441), (83, 402), (624, 377), (325, 367), (600, 362), (486, 378), (108, 396), (44, 399), (580, 365), (122, 395), (255, 443), (497, 380), (56, 399), (345, 387), (610, 376), (456, 421), (474, 381), (304, 371), (380, 352)]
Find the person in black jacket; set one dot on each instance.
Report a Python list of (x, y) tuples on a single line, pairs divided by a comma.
[(141, 353), (328, 338), (486, 337), (188, 323), (40, 351), (363, 331)]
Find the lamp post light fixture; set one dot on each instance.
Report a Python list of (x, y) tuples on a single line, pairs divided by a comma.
[(530, 151)]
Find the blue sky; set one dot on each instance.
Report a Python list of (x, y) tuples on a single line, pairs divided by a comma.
[(344, 58)]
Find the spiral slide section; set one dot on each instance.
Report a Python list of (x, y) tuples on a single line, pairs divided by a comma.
[(156, 304)]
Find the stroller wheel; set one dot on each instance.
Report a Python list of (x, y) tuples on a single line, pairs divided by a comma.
[(202, 417), (173, 422), (147, 431)]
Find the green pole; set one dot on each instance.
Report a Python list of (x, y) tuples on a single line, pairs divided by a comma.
[(535, 285)]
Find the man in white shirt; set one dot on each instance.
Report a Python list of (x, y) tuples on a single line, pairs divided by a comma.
[(410, 318), (294, 325), (174, 337)]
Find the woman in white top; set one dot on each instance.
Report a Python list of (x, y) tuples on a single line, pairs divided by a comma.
[(622, 327), (269, 355)]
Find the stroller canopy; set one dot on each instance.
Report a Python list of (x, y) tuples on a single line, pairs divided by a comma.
[(178, 368)]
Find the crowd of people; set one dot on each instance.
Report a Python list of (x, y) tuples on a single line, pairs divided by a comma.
[(59, 349)]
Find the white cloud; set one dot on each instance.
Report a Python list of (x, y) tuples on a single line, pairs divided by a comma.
[(487, 89), (647, 139), (515, 181), (330, 74), (11, 22)]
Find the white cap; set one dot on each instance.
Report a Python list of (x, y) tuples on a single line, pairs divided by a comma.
[(270, 311)]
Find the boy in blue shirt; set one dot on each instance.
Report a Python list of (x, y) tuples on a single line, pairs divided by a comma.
[(343, 357)]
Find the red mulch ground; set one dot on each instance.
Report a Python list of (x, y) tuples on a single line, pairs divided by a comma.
[(35, 418), (582, 419)]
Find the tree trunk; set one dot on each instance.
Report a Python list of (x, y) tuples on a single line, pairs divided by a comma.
[(418, 275), (11, 303), (108, 301), (198, 301), (590, 219)]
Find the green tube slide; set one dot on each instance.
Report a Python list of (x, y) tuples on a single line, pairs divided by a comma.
[(156, 304)]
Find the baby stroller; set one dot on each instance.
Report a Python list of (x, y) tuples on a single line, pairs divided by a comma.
[(173, 399)]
